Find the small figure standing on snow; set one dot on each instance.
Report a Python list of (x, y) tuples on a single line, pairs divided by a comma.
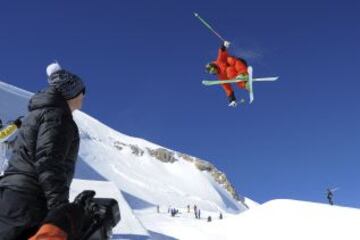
[(221, 216), (330, 195), (158, 209), (188, 208), (209, 219), (228, 67)]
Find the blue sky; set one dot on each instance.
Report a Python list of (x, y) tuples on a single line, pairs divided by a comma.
[(143, 62)]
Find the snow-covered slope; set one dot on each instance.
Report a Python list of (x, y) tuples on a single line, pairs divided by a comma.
[(142, 175), (276, 219), (13, 102), (143, 178), (295, 220), (146, 174)]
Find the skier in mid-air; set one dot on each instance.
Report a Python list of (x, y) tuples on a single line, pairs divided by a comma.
[(228, 67)]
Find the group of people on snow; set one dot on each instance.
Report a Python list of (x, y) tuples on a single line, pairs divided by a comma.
[(197, 212)]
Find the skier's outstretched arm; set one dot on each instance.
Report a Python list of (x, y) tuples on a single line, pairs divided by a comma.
[(222, 53)]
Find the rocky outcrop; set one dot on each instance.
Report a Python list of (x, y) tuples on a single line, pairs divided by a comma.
[(204, 166), (186, 157), (218, 176), (167, 156), (163, 155), (119, 145), (136, 150)]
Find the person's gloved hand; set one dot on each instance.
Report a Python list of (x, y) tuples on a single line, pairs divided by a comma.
[(18, 122), (227, 44), (84, 198)]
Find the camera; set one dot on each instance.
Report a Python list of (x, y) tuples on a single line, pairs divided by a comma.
[(105, 215)]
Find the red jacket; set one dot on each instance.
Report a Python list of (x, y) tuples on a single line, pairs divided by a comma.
[(229, 67)]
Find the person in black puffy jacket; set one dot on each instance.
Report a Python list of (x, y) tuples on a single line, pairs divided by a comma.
[(42, 165)]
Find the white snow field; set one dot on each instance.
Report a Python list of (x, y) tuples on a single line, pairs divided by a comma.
[(122, 167)]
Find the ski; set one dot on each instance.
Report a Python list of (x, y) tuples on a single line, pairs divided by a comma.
[(248, 79), (250, 84), (239, 79)]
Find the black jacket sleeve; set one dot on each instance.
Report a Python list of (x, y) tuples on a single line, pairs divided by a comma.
[(54, 140)]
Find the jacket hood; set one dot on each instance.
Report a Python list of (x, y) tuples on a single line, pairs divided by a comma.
[(48, 97)]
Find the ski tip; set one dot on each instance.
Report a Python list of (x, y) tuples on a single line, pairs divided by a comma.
[(195, 14)]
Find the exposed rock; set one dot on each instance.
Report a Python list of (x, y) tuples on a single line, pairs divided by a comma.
[(186, 157), (219, 177), (119, 145), (162, 154), (204, 166), (167, 156), (136, 150)]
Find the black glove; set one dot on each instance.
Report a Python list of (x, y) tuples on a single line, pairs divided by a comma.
[(18, 122), (84, 198)]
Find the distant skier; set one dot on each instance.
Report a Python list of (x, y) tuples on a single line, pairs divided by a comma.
[(330, 195), (195, 211), (228, 67), (221, 216), (174, 211), (42, 165)]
